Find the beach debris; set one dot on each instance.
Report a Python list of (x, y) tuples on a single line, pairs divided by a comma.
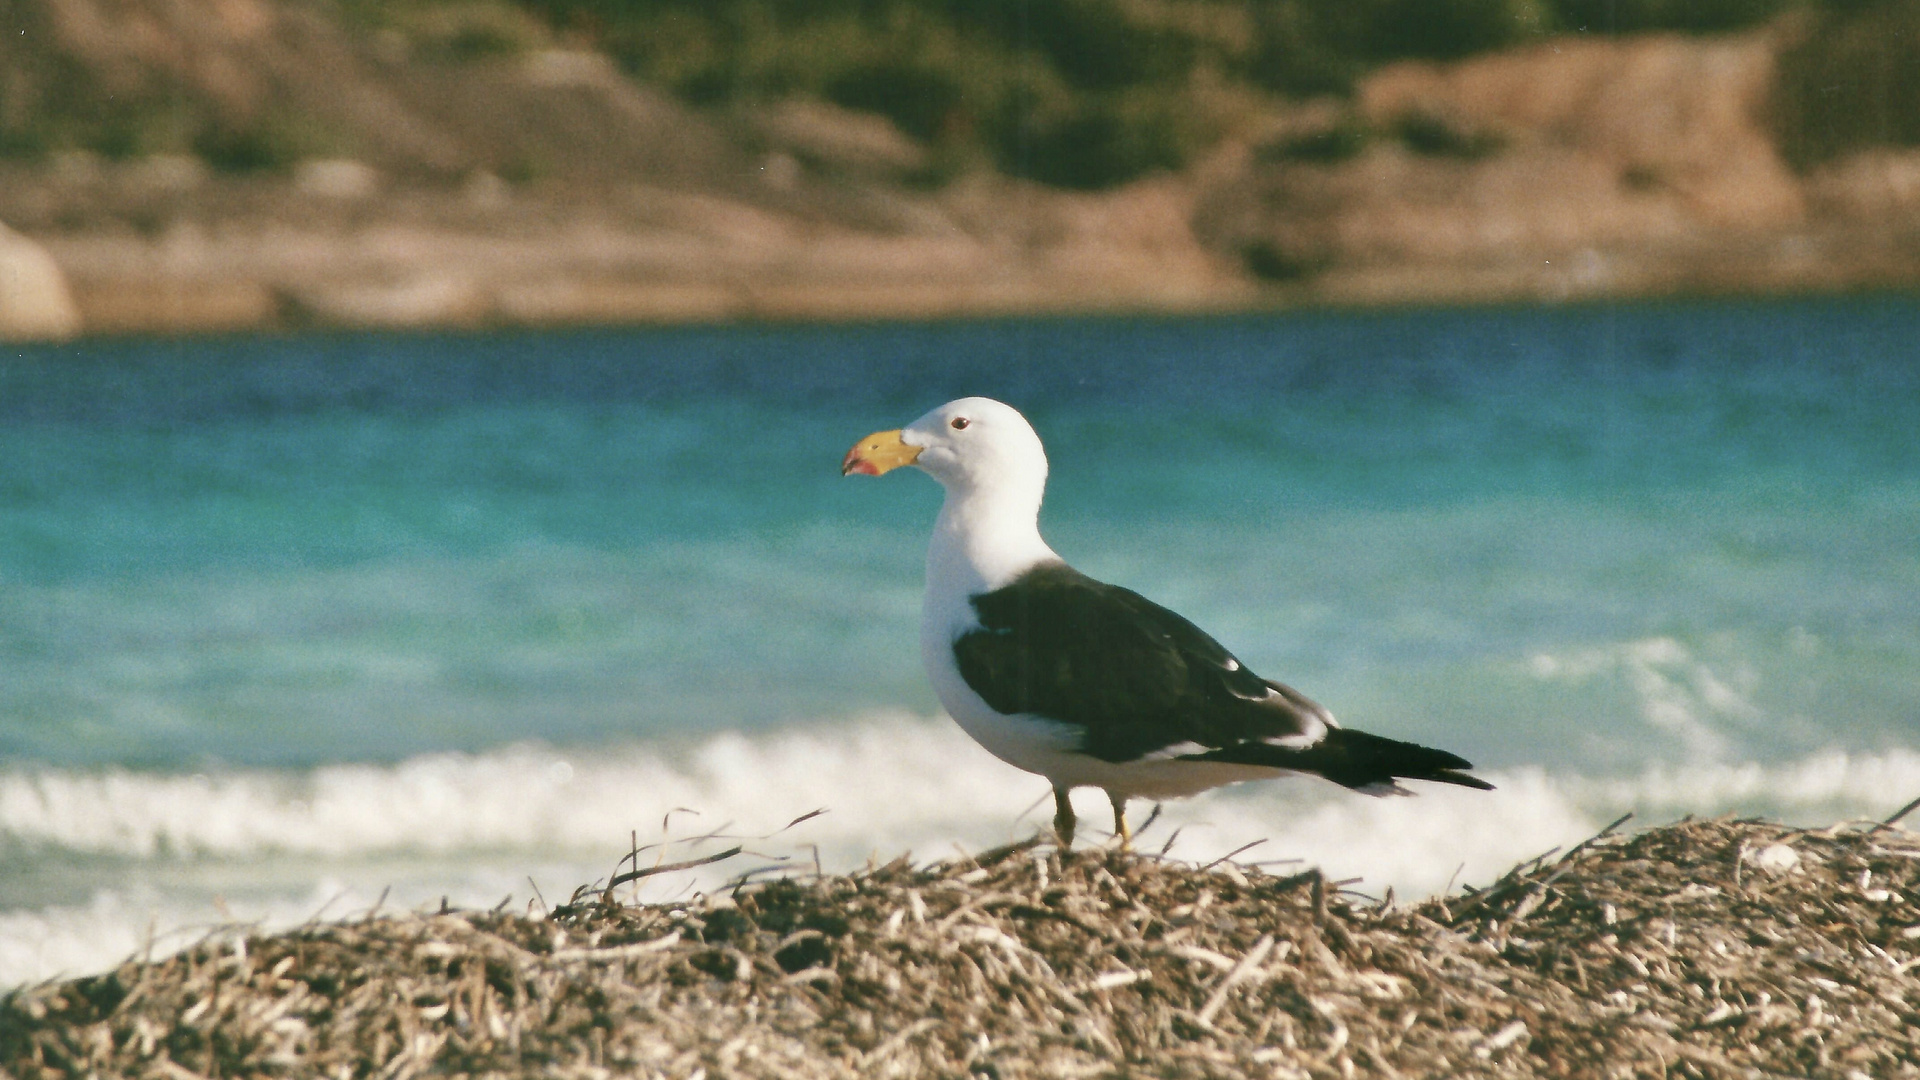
[(1774, 858), (1693, 950)]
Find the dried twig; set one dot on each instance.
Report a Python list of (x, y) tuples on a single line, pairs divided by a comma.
[(666, 868), (1893, 820)]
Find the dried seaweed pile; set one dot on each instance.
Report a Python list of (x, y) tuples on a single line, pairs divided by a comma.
[(1705, 949)]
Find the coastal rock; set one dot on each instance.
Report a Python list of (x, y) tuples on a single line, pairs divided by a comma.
[(35, 303), (423, 299), (1877, 184), (1563, 169), (843, 140), (337, 178), (1673, 125)]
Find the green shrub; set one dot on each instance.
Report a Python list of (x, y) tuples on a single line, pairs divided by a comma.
[(1392, 29), (451, 30), (1100, 142), (26, 143), (1639, 16), (1272, 261), (1082, 93), (1097, 45), (923, 100), (271, 142), (1431, 135), (1323, 146), (1293, 52), (1851, 83)]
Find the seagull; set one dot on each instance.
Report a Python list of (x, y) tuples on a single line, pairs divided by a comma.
[(1089, 684)]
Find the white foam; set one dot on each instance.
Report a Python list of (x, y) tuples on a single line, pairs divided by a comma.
[(273, 848), (1679, 695), (888, 779), (1828, 784)]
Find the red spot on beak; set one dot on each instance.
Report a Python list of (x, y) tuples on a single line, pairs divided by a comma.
[(854, 463)]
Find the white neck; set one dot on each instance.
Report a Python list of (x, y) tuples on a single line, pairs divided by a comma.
[(983, 540)]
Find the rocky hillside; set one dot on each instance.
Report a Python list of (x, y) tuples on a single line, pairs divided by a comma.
[(1576, 168), (281, 163)]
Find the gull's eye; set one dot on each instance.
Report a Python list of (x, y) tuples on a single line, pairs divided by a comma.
[(960, 423)]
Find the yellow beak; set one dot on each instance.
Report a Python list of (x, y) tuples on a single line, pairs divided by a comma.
[(879, 452)]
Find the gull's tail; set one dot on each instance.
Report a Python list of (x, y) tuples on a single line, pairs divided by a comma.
[(1355, 759)]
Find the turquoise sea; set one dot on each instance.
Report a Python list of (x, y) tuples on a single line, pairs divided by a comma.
[(290, 622)]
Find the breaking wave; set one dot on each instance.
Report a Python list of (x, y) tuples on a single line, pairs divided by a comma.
[(125, 860)]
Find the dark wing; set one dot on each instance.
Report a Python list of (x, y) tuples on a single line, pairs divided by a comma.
[(1355, 759), (1135, 676)]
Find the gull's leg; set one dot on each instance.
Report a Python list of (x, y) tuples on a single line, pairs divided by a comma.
[(1063, 819), (1120, 821)]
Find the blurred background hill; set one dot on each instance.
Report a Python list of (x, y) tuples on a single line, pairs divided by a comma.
[(188, 165)]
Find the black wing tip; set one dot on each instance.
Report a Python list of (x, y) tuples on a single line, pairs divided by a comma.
[(1454, 776), (1362, 761), (1355, 760), (1390, 785)]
